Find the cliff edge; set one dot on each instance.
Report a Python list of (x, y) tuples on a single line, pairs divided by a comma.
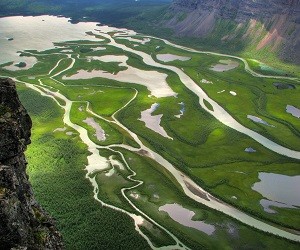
[(24, 224)]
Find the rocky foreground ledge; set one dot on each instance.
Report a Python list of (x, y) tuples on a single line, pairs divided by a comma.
[(23, 223)]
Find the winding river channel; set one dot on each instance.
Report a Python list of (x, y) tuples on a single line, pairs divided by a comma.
[(98, 163), (218, 112)]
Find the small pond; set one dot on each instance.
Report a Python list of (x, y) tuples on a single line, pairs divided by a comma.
[(280, 190), (224, 65), (185, 218), (171, 57), (281, 86), (100, 133), (293, 111), (258, 120)]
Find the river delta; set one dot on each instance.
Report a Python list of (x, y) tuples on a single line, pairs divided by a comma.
[(137, 101)]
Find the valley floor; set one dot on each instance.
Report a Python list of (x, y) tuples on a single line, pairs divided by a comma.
[(179, 147)]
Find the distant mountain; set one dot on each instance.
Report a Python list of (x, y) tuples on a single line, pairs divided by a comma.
[(259, 26)]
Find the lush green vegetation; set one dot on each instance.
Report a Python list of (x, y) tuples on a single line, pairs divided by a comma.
[(59, 182), (113, 133), (263, 98), (199, 137), (155, 193), (212, 154)]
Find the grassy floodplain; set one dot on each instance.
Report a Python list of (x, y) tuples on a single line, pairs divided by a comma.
[(198, 138), (210, 153), (60, 186)]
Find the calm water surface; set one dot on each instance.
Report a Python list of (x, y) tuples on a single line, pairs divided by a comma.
[(38, 33), (279, 188)]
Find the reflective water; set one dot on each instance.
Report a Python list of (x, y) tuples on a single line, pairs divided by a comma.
[(258, 120), (282, 86), (30, 61), (225, 65), (279, 188), (267, 204), (131, 39), (154, 81), (293, 111), (171, 57), (34, 33), (153, 121), (184, 217), (99, 132)]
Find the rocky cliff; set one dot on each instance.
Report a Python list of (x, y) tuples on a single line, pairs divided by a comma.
[(270, 25), (23, 223)]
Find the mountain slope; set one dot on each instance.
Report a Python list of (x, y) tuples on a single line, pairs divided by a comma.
[(258, 26)]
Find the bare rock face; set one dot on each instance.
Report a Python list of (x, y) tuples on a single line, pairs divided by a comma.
[(269, 24), (23, 223)]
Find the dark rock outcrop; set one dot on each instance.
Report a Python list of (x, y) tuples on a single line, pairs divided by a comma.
[(269, 24), (23, 223)]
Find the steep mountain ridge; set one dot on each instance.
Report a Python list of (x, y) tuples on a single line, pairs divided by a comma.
[(270, 25), (24, 224)]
